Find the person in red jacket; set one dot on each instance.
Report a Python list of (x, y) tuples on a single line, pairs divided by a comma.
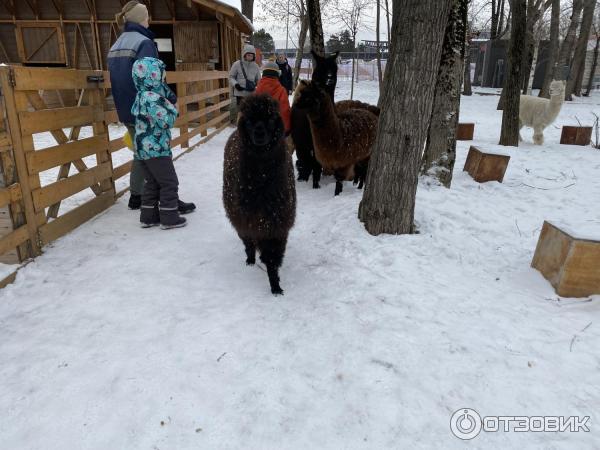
[(269, 84)]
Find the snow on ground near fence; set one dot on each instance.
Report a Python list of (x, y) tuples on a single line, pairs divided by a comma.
[(125, 338), (44, 140)]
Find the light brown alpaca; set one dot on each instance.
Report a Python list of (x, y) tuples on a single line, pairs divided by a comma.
[(341, 139)]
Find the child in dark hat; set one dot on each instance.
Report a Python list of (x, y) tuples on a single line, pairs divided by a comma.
[(269, 84)]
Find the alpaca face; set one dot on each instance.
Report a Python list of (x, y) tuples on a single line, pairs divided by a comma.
[(260, 123), (325, 72), (309, 96)]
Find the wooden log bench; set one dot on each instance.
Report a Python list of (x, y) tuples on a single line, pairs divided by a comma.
[(464, 131), (576, 135), (486, 166), (570, 263)]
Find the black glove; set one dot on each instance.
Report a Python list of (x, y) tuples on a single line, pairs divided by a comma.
[(238, 87)]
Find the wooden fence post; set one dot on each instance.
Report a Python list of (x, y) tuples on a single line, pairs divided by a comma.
[(202, 106), (13, 106), (183, 128), (101, 129), (12, 216)]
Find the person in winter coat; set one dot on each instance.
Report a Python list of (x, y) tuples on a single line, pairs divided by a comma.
[(244, 84), (285, 76), (154, 115), (136, 42), (269, 84)]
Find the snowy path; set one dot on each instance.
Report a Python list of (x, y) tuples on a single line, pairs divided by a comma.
[(122, 338)]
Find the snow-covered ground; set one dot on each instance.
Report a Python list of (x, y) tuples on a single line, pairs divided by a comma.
[(124, 338)]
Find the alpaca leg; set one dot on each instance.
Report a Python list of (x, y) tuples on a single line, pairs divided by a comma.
[(271, 254), (316, 173), (250, 248), (339, 186), (303, 171), (520, 126), (538, 136)]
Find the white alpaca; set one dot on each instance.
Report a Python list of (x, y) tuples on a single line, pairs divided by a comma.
[(538, 113)]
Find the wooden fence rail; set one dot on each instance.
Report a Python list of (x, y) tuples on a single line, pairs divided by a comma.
[(72, 144)]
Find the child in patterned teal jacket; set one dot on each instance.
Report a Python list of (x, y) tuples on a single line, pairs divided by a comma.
[(155, 114)]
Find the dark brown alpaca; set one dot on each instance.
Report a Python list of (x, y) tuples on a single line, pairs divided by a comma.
[(259, 191), (341, 139)]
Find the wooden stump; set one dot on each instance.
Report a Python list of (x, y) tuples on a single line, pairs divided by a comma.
[(485, 166), (576, 135), (464, 131), (571, 264)]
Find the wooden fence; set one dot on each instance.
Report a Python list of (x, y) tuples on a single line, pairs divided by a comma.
[(76, 148)]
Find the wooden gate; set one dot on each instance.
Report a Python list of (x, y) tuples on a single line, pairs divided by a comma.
[(49, 155)]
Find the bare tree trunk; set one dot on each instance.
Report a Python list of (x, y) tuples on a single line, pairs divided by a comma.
[(378, 39), (440, 151), (593, 68), (494, 22), (248, 9), (510, 115), (389, 30), (300, 49), (500, 19), (564, 56), (578, 66), (388, 202), (315, 25), (535, 10), (532, 68), (497, 20), (553, 51), (467, 88)]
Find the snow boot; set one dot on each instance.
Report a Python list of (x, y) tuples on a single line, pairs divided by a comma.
[(185, 208), (149, 216), (170, 218), (135, 202)]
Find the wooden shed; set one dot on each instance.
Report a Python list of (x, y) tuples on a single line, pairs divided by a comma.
[(191, 34)]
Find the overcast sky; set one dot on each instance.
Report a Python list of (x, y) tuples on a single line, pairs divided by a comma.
[(278, 31)]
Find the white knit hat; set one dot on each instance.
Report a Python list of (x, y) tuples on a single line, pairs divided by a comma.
[(137, 14)]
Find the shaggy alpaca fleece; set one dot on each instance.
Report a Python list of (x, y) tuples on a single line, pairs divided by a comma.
[(538, 113), (259, 190), (342, 139), (345, 105)]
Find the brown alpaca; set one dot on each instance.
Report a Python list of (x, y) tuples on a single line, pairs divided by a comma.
[(341, 139), (345, 105)]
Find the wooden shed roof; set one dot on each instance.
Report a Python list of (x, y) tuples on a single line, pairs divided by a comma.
[(240, 21)]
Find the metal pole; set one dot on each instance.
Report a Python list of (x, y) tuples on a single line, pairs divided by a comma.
[(287, 28)]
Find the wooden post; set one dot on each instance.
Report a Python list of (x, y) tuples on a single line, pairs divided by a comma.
[(202, 106), (464, 131), (11, 216), (21, 146), (101, 129), (483, 166), (576, 135), (569, 263), (183, 128)]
